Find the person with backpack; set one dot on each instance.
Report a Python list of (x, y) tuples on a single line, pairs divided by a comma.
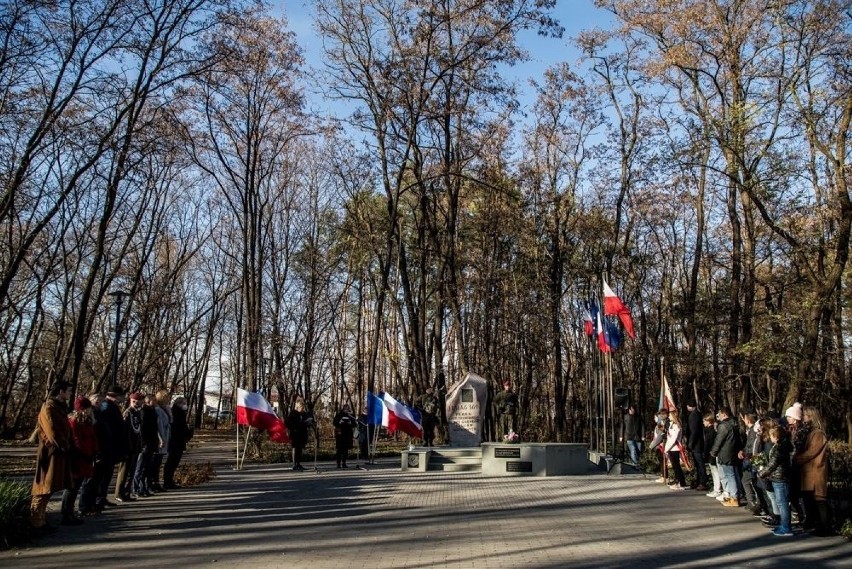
[(428, 416)]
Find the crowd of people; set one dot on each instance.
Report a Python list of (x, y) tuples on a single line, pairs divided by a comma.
[(775, 466), (130, 438)]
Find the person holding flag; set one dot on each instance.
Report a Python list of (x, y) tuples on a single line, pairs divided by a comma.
[(673, 449)]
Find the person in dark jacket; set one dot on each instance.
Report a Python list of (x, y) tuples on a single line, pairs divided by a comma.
[(344, 427), (709, 438), (506, 403), (633, 434), (777, 470), (751, 448), (112, 444), (297, 424), (180, 435), (695, 443), (150, 447), (725, 448), (133, 430)]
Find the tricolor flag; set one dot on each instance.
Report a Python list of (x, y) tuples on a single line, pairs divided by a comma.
[(400, 417), (375, 409), (254, 410), (614, 307), (603, 340)]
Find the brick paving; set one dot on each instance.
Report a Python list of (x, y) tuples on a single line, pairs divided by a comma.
[(269, 516)]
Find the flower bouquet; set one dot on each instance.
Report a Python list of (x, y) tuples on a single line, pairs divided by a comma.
[(511, 437)]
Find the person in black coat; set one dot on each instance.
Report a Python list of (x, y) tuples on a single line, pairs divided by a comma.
[(695, 443), (181, 433), (344, 427), (298, 422), (112, 444), (633, 434), (725, 448), (133, 431), (150, 446)]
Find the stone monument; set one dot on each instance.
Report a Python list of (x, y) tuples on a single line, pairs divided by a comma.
[(466, 410)]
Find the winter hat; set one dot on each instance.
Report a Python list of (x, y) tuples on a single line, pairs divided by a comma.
[(794, 412), (136, 396), (81, 403)]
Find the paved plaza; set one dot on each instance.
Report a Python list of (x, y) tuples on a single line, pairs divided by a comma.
[(269, 516)]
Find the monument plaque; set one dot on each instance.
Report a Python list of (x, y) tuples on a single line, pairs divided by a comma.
[(465, 411), (507, 452), (518, 466)]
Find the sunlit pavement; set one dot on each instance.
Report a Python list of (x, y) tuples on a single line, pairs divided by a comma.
[(269, 516)]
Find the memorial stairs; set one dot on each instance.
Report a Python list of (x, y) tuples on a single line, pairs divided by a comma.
[(450, 459)]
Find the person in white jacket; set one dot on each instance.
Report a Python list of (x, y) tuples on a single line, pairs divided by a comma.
[(673, 448)]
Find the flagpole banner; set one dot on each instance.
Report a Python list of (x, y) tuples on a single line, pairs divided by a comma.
[(255, 411), (401, 417), (613, 306), (375, 409)]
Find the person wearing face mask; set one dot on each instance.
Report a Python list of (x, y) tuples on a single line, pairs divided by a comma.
[(180, 435)]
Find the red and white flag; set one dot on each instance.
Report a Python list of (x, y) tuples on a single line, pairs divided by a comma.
[(254, 410), (614, 307), (400, 417)]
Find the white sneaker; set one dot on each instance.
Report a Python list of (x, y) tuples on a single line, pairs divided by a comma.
[(722, 497), (712, 494)]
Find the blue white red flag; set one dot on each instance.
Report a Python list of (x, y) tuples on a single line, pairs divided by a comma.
[(603, 340), (375, 409), (401, 417)]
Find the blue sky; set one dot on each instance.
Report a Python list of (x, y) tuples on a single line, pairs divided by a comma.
[(573, 15)]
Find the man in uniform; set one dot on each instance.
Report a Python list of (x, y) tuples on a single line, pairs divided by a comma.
[(53, 461), (429, 416), (507, 408)]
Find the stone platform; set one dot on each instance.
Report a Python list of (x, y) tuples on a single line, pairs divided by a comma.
[(535, 459)]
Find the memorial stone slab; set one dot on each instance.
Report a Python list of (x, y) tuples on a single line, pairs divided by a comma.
[(465, 411)]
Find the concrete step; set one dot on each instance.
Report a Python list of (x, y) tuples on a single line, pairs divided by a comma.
[(451, 459)]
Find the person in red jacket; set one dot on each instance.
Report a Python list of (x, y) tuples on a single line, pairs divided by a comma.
[(82, 463)]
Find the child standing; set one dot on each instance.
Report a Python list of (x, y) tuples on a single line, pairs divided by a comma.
[(777, 470)]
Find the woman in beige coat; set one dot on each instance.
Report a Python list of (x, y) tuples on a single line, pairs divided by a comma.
[(813, 464)]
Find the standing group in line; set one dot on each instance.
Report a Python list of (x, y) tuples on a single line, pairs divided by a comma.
[(776, 467), (81, 450)]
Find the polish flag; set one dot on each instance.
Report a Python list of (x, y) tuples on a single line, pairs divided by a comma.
[(400, 417), (614, 306), (255, 411), (588, 323)]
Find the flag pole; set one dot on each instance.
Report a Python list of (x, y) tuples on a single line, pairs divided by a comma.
[(245, 447), (237, 423)]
